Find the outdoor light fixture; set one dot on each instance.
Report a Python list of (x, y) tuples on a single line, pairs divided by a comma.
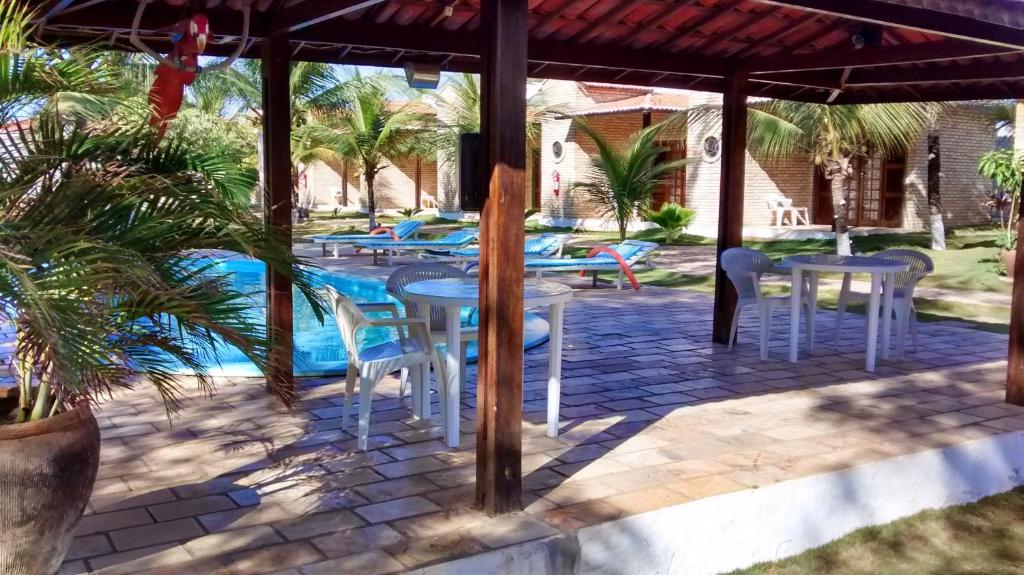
[(420, 75)]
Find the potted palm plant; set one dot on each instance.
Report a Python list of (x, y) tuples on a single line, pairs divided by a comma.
[(1006, 170), (100, 281)]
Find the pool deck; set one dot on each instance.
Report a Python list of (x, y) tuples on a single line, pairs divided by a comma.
[(654, 417)]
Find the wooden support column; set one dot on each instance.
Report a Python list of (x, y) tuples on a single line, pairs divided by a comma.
[(730, 198), (278, 204), (419, 182), (1015, 363), (503, 154)]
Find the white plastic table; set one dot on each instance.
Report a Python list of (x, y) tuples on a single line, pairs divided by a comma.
[(882, 272), (455, 293)]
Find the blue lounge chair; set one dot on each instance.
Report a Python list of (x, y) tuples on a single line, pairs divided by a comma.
[(542, 246), (400, 231), (623, 258), (452, 241)]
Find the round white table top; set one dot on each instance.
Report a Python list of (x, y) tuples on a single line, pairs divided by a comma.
[(466, 292), (846, 264)]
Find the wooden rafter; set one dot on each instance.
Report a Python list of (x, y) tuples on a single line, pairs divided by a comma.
[(695, 24), (914, 18)]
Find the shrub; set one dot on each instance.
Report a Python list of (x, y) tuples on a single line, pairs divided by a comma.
[(672, 218)]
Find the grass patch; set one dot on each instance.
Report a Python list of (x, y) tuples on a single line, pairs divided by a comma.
[(983, 537)]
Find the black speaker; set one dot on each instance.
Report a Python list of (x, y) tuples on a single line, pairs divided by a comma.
[(472, 191)]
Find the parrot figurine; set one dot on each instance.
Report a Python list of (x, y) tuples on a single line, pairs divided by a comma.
[(178, 70)]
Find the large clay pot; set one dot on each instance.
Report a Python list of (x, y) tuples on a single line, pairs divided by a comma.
[(1009, 259), (47, 472)]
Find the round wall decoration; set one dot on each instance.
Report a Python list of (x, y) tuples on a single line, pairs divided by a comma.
[(712, 148), (558, 151)]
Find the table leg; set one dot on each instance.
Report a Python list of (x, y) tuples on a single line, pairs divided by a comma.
[(337, 250), (812, 301), (794, 313), (876, 288), (450, 405), (887, 300), (555, 367)]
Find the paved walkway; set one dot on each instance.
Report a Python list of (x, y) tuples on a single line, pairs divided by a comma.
[(653, 415)]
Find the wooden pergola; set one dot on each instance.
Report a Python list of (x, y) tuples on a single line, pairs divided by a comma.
[(826, 51)]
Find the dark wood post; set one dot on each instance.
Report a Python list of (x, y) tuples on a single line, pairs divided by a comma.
[(1015, 361), (278, 205), (503, 150), (645, 119), (419, 181), (730, 198)]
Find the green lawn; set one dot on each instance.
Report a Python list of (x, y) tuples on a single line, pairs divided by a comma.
[(986, 537)]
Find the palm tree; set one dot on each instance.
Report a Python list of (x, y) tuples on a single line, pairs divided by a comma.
[(99, 223), (458, 106), (622, 180), (374, 130), (832, 135)]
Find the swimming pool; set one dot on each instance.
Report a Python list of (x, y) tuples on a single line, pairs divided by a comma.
[(318, 348)]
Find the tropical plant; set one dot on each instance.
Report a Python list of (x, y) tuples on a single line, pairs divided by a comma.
[(622, 181), (458, 105), (374, 130), (672, 218), (100, 266), (831, 135), (1006, 170), (409, 213)]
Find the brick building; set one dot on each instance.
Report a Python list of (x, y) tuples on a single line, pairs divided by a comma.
[(883, 192)]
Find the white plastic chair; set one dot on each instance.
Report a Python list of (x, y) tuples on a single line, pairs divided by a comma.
[(903, 293), (745, 266), (412, 273), (371, 364)]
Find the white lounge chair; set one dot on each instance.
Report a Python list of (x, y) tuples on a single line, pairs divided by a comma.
[(779, 207), (745, 267), (401, 231), (903, 294), (542, 246), (371, 364), (624, 258)]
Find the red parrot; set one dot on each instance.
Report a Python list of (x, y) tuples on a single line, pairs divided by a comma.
[(168, 90)]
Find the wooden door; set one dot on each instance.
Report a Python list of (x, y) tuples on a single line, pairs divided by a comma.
[(673, 188), (893, 172)]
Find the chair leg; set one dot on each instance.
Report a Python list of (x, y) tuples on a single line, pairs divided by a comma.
[(369, 381), (766, 330), (422, 407), (912, 316), (735, 327), (403, 382), (844, 295), (618, 282), (350, 386), (902, 313)]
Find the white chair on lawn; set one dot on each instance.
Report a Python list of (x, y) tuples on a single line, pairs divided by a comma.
[(745, 266), (371, 364), (903, 293), (412, 273)]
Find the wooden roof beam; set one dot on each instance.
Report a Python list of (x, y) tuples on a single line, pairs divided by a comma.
[(653, 22), (736, 29), (312, 13), (789, 29), (914, 18), (609, 17), (871, 56)]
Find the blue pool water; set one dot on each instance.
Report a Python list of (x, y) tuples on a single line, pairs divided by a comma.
[(318, 348)]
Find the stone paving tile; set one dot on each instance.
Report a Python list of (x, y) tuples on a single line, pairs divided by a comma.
[(652, 415)]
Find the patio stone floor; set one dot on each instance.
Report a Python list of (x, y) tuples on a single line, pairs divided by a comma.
[(653, 415)]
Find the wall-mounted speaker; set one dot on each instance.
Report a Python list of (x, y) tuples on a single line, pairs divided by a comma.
[(472, 191), (420, 75)]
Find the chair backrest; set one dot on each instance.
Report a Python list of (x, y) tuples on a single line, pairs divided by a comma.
[(348, 316), (545, 244), (406, 228), (774, 202), (412, 273), (631, 250), (463, 236), (744, 267), (920, 265)]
